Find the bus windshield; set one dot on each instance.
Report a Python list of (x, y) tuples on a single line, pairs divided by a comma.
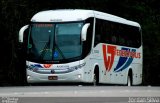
[(54, 42)]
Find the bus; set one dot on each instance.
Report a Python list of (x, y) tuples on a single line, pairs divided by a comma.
[(82, 46)]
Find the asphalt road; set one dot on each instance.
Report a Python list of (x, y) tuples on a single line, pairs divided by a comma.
[(80, 94)]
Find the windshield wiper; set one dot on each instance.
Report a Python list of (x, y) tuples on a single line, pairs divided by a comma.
[(44, 49)]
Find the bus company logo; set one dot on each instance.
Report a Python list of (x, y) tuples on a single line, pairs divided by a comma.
[(108, 56), (47, 65), (126, 56)]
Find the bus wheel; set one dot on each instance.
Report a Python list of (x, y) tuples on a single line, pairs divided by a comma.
[(129, 81), (95, 80), (96, 77)]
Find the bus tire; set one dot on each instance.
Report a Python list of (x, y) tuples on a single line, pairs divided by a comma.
[(129, 81), (129, 78), (94, 80), (96, 77)]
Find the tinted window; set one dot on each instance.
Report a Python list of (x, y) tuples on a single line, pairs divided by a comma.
[(116, 33)]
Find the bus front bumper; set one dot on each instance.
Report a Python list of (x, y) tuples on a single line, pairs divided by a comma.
[(75, 76)]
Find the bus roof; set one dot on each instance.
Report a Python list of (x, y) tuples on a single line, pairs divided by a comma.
[(68, 15)]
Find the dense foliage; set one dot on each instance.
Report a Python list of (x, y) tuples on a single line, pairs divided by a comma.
[(17, 13)]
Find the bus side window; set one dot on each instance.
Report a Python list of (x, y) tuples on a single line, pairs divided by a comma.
[(98, 39), (114, 40), (98, 32)]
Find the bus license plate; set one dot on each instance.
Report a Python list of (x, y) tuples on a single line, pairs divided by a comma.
[(52, 78)]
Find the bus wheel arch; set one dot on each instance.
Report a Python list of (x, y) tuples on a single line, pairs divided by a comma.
[(96, 75), (130, 77)]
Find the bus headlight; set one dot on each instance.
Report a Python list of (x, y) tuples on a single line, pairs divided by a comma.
[(32, 68), (76, 67)]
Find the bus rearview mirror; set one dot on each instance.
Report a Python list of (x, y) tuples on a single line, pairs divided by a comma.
[(84, 31), (21, 33)]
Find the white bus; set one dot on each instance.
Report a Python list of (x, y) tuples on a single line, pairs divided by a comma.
[(85, 46)]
